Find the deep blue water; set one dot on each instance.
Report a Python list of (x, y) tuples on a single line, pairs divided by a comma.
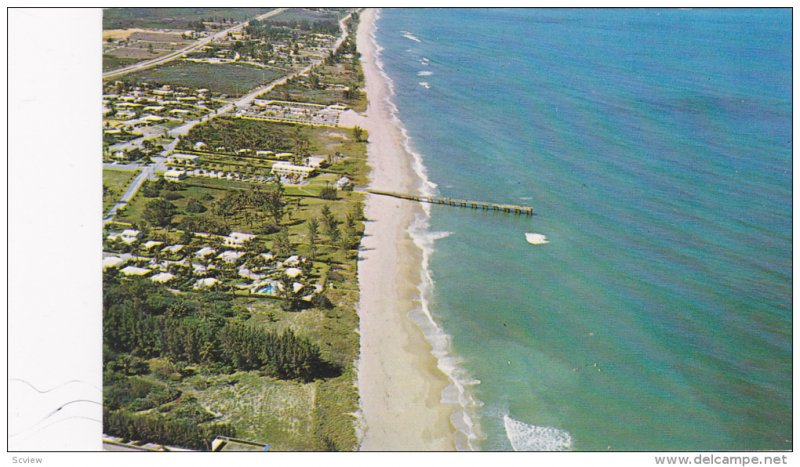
[(655, 147)]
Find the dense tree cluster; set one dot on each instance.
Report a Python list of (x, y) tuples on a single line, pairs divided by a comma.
[(146, 320)]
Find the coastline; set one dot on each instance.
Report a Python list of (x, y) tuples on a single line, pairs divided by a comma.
[(400, 383)]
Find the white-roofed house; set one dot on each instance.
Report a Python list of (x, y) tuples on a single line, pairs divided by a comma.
[(285, 168), (206, 283), (174, 175), (162, 277), (149, 245), (293, 272), (128, 236), (238, 239), (343, 183), (134, 271), (230, 256), (173, 248), (205, 251), (112, 262)]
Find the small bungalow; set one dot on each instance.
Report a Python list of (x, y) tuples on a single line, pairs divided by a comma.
[(112, 262), (293, 272), (343, 183), (173, 248), (162, 277), (230, 256), (206, 283), (238, 239), (134, 271), (205, 251), (149, 245)]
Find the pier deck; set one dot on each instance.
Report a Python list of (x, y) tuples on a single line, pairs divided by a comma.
[(486, 206)]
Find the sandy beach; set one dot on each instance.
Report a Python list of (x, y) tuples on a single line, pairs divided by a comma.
[(399, 383)]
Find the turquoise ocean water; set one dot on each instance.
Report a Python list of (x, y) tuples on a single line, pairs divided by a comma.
[(655, 146)]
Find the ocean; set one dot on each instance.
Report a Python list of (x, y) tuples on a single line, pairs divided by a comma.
[(655, 146)]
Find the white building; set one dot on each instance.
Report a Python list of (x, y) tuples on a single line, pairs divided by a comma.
[(230, 256), (293, 272), (174, 175), (162, 277), (134, 271), (112, 262), (343, 183), (127, 236), (205, 251), (238, 239), (173, 248), (151, 244), (206, 283), (284, 168)]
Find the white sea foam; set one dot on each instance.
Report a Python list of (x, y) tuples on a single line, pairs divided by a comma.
[(410, 36), (424, 61), (525, 437), (458, 392), (536, 239), (425, 84), (424, 73)]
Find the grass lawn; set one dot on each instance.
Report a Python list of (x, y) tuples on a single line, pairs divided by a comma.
[(115, 182), (232, 79)]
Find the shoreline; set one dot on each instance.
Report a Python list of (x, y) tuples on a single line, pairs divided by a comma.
[(400, 383)]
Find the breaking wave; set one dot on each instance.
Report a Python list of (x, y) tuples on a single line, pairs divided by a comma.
[(410, 36), (525, 437)]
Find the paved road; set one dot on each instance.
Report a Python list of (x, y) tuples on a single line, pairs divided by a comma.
[(159, 162), (179, 53)]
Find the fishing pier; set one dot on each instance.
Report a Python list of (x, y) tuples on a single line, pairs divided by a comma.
[(509, 208)]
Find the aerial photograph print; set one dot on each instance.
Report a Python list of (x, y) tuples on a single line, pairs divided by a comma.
[(446, 229)]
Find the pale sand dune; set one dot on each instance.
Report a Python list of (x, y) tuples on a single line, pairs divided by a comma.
[(400, 385)]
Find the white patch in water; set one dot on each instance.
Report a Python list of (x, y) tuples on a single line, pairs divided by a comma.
[(424, 73), (536, 239), (524, 437), (410, 36), (425, 84)]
